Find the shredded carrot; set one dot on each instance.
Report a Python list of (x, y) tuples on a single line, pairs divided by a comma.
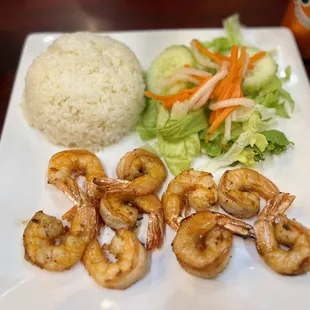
[(257, 56), (170, 103), (231, 74), (230, 87), (242, 58), (212, 117), (160, 98), (222, 57), (189, 90), (226, 94), (219, 120), (237, 92), (206, 52)]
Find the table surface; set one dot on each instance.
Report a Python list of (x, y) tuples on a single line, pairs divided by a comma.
[(20, 17)]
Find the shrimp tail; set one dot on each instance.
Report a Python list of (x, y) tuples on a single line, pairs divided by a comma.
[(237, 227), (70, 189), (277, 205), (155, 230), (113, 185), (106, 182), (241, 231), (68, 216), (282, 202)]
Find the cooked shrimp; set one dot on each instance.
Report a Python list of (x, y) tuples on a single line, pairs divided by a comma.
[(119, 210), (131, 265), (190, 189), (145, 170), (240, 191), (203, 242), (51, 246), (66, 166), (274, 229)]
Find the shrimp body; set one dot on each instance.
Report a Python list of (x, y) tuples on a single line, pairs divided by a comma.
[(131, 265), (203, 242), (190, 189), (273, 229), (66, 166), (240, 191), (143, 169), (44, 231), (120, 210), (117, 211)]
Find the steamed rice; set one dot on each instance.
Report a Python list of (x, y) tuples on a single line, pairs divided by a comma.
[(85, 91)]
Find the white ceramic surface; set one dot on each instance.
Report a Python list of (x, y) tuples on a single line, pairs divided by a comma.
[(247, 283)]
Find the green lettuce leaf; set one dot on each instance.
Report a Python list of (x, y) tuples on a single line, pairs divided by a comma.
[(220, 45), (266, 113), (288, 98), (251, 155), (146, 127), (274, 85), (281, 110), (179, 155), (233, 29), (162, 116), (255, 123), (247, 156), (214, 148), (287, 76), (277, 141), (176, 130), (235, 153)]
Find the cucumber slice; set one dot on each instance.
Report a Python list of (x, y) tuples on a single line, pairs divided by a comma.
[(164, 65), (256, 79)]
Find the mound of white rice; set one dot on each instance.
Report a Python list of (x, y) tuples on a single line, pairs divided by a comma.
[(85, 91)]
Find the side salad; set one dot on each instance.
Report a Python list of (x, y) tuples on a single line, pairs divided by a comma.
[(217, 97)]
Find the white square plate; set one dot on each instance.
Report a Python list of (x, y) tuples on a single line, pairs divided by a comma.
[(247, 283)]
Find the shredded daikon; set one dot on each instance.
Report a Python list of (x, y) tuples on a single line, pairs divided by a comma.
[(207, 88), (227, 134), (231, 102), (193, 71), (179, 78), (246, 65), (233, 116)]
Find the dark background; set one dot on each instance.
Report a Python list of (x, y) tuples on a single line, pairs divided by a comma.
[(20, 17)]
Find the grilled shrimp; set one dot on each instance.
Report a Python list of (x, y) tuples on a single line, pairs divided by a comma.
[(118, 209), (131, 264), (190, 189), (51, 246), (143, 169), (66, 166), (203, 242), (274, 229), (240, 191)]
